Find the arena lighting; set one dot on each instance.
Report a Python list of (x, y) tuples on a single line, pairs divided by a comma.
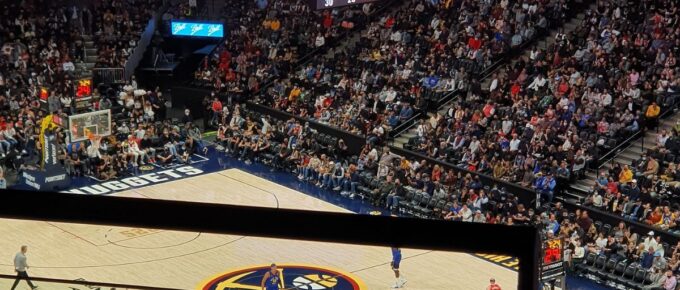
[(518, 241)]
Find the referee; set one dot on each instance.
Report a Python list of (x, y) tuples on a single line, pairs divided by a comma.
[(20, 267)]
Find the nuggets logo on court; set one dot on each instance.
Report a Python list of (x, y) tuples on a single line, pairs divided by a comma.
[(146, 168), (300, 277)]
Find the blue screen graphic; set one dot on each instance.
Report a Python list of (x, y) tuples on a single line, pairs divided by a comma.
[(197, 29)]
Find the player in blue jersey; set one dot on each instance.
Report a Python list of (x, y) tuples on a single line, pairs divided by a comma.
[(271, 279), (396, 259)]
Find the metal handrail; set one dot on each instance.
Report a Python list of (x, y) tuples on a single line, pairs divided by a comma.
[(614, 150), (628, 141), (405, 126), (408, 124)]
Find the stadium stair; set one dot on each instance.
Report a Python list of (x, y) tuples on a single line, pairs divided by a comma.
[(84, 69), (580, 188), (543, 43), (540, 43)]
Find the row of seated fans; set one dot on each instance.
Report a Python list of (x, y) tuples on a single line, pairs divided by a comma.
[(370, 187), (615, 273)]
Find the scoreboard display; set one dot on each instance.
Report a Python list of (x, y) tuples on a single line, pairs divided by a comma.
[(84, 88), (327, 4), (552, 265)]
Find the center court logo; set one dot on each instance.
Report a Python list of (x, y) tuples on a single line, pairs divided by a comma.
[(302, 277)]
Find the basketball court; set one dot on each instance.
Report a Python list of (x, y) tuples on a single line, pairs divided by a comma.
[(209, 261)]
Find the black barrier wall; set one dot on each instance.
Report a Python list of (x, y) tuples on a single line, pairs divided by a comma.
[(519, 241)]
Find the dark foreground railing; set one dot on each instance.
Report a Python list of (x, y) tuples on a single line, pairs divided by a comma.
[(518, 241), (51, 283)]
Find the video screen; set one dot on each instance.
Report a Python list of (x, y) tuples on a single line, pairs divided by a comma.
[(197, 29)]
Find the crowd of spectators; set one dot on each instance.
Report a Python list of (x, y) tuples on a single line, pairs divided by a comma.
[(539, 123), (551, 113), (392, 181), (404, 60), (266, 40), (118, 26), (40, 42), (618, 244), (646, 189)]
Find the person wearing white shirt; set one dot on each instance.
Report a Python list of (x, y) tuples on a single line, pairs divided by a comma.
[(320, 40), (390, 95), (533, 54), (494, 84), (506, 125), (605, 99), (134, 152), (465, 213), (649, 241), (474, 145), (68, 66), (514, 143), (538, 83), (20, 267), (66, 103)]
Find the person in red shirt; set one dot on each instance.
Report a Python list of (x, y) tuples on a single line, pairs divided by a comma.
[(493, 285), (389, 22), (327, 21), (216, 108), (515, 89), (474, 42)]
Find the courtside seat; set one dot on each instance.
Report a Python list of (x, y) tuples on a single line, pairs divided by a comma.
[(438, 208), (615, 276), (421, 209), (608, 269), (405, 203), (648, 279), (414, 205), (628, 274), (638, 278), (447, 208), (428, 207), (598, 267), (598, 225)]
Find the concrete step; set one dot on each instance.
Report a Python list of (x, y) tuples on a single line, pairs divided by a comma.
[(88, 44), (623, 160), (408, 135), (400, 141), (574, 196), (632, 154), (91, 58), (591, 174), (581, 188)]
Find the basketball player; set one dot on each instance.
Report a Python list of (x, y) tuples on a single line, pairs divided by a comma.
[(271, 279), (396, 259), (493, 285)]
